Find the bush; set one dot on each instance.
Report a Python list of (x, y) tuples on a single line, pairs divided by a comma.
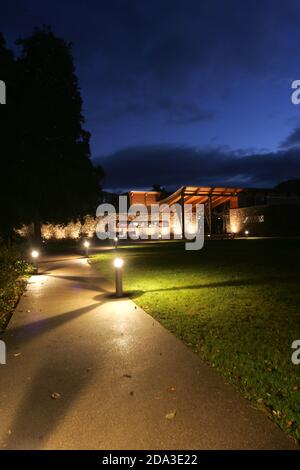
[(13, 273)]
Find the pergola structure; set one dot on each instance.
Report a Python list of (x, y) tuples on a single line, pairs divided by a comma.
[(211, 197)]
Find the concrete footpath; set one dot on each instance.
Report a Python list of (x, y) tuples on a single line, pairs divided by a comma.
[(87, 371)]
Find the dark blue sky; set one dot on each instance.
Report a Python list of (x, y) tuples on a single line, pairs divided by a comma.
[(201, 88)]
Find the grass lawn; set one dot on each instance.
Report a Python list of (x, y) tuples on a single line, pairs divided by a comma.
[(236, 303), (13, 274)]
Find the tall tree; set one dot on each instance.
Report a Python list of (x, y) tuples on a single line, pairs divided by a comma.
[(9, 184), (59, 179)]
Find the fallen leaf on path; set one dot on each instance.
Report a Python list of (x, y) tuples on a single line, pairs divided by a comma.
[(55, 396), (132, 393), (171, 389), (128, 376), (89, 369), (17, 354), (171, 415)]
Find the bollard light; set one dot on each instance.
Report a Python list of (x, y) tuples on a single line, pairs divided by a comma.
[(116, 241), (118, 264), (86, 245), (246, 233), (35, 254)]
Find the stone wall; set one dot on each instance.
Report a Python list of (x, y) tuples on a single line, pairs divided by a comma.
[(267, 220)]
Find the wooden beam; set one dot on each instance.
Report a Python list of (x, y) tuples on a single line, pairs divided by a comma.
[(182, 214), (210, 214)]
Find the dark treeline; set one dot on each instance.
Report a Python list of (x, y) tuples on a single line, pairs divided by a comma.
[(46, 174)]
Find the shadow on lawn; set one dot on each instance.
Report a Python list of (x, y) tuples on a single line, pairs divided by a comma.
[(213, 285)]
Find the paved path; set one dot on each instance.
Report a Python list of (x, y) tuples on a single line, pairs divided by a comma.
[(118, 373)]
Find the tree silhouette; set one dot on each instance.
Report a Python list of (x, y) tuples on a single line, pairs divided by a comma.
[(59, 181), (290, 186), (9, 176)]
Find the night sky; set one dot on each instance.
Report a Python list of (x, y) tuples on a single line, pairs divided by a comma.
[(181, 91)]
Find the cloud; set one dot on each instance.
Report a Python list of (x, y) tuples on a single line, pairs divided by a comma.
[(180, 112), (133, 55), (292, 140), (171, 110), (173, 166)]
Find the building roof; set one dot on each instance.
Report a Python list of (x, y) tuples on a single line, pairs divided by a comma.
[(201, 194)]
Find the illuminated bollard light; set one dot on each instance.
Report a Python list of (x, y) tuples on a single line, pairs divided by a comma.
[(116, 242), (118, 264), (35, 255), (86, 245), (247, 233)]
